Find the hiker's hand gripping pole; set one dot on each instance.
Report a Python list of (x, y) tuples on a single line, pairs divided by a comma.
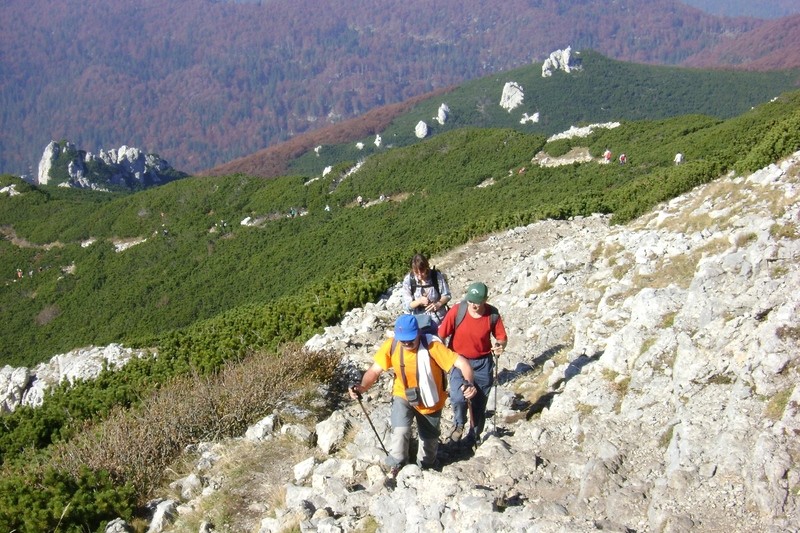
[(469, 390)]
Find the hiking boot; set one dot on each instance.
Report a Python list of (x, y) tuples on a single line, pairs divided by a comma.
[(433, 465), (456, 434), (471, 440)]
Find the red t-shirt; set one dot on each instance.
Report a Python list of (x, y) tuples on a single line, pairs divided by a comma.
[(474, 336)]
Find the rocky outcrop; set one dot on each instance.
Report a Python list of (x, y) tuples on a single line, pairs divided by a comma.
[(512, 96), (64, 165), (532, 118), (582, 131), (49, 156), (650, 383), (560, 60), (442, 114), (421, 130), (24, 386)]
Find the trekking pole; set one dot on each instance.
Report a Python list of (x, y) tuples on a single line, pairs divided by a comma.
[(471, 418), (496, 384), (358, 395), (494, 411)]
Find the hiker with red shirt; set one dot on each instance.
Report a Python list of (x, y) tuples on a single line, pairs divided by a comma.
[(472, 338)]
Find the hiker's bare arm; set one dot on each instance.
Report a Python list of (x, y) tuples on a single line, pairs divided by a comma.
[(466, 370), (367, 380)]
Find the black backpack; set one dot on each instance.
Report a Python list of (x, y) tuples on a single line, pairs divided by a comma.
[(434, 281)]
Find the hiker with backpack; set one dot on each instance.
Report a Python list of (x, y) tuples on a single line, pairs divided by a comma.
[(471, 325), (420, 363), (425, 291)]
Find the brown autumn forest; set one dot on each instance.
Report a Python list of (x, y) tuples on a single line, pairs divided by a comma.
[(203, 83)]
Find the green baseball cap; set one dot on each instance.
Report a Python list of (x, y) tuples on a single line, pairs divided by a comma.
[(477, 293)]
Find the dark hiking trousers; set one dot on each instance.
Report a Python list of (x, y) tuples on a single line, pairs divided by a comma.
[(483, 368)]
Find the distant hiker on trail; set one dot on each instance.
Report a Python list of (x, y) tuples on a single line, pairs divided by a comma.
[(425, 290), (360, 200), (623, 159), (678, 158), (472, 324), (419, 363), (607, 156)]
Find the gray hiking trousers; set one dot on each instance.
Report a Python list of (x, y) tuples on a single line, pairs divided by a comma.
[(427, 426)]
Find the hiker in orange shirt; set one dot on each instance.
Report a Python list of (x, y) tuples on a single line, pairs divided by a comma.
[(419, 362)]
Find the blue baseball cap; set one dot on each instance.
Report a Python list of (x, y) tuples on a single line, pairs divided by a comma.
[(406, 328)]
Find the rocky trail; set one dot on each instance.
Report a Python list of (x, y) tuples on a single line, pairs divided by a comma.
[(650, 384)]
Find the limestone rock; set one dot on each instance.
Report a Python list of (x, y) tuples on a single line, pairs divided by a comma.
[(63, 164), (512, 96), (560, 60), (421, 130)]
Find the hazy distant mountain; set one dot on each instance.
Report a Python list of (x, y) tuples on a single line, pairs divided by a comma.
[(765, 9), (204, 82)]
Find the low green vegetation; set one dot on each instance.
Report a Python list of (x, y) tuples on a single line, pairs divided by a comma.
[(604, 90), (206, 291)]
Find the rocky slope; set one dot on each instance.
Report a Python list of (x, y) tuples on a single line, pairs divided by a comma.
[(63, 164), (650, 384)]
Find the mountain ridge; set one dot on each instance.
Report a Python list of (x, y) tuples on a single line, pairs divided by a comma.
[(628, 91), (202, 83)]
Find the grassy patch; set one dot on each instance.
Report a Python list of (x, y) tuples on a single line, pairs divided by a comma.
[(668, 320), (743, 239), (646, 345), (138, 444), (368, 525), (784, 231), (678, 270), (776, 405), (778, 271), (542, 286), (720, 379), (666, 437)]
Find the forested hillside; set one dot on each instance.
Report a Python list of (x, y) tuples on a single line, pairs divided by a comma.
[(767, 9), (601, 90), (770, 46), (202, 82), (187, 257)]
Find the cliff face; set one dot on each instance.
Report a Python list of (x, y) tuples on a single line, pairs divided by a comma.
[(64, 165), (650, 384)]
